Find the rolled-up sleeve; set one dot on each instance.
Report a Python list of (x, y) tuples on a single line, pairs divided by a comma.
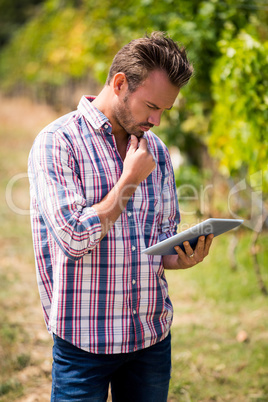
[(59, 196)]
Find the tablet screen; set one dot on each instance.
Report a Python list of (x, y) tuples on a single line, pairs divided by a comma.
[(212, 225)]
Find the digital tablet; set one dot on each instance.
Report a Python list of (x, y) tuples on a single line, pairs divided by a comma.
[(212, 225)]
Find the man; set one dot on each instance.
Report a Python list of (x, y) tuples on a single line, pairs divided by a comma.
[(102, 190)]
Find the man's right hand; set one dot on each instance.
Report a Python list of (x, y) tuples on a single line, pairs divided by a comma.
[(138, 164), (139, 161)]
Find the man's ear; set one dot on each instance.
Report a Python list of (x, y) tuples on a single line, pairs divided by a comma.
[(120, 84)]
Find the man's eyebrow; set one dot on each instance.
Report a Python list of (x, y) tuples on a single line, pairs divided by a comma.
[(157, 107)]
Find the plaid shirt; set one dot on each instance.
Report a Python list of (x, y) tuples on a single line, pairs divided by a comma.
[(102, 296)]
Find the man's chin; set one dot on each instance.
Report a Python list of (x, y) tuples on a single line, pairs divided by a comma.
[(138, 134)]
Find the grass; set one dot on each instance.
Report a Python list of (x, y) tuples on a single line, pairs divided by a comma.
[(214, 305)]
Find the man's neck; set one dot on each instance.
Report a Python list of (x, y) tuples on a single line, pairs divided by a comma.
[(103, 102)]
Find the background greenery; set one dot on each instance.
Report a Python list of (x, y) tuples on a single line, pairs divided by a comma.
[(52, 50), (224, 107)]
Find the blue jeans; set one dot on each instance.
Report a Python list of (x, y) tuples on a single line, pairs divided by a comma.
[(141, 376)]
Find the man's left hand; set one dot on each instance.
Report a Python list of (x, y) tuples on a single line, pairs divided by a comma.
[(190, 257)]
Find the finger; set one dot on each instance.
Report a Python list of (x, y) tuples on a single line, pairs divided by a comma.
[(181, 254), (134, 142), (143, 144), (208, 244), (186, 261), (199, 249), (188, 249)]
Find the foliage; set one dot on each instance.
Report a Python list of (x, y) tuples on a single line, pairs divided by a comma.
[(51, 51), (69, 40), (239, 136), (13, 14)]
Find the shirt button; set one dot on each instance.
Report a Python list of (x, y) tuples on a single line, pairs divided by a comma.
[(134, 312), (133, 282), (106, 126), (129, 214), (133, 248)]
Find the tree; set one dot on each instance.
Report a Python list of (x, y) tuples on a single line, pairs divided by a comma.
[(239, 136), (69, 40), (13, 14)]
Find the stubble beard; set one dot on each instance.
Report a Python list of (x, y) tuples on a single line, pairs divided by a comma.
[(123, 117)]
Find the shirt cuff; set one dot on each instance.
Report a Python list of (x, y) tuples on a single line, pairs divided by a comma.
[(166, 235), (91, 221)]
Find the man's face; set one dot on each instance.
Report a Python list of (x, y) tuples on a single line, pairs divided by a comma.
[(139, 111)]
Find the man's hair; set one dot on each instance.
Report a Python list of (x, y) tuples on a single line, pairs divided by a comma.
[(155, 52)]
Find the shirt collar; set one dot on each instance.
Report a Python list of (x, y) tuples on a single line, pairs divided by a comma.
[(94, 116)]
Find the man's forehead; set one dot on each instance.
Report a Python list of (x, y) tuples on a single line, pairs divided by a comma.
[(157, 90)]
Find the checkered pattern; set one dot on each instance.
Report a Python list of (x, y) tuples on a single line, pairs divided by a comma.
[(102, 296)]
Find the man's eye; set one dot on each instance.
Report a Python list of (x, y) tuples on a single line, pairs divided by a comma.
[(150, 107)]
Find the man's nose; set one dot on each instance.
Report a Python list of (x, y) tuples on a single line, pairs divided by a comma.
[(155, 117)]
